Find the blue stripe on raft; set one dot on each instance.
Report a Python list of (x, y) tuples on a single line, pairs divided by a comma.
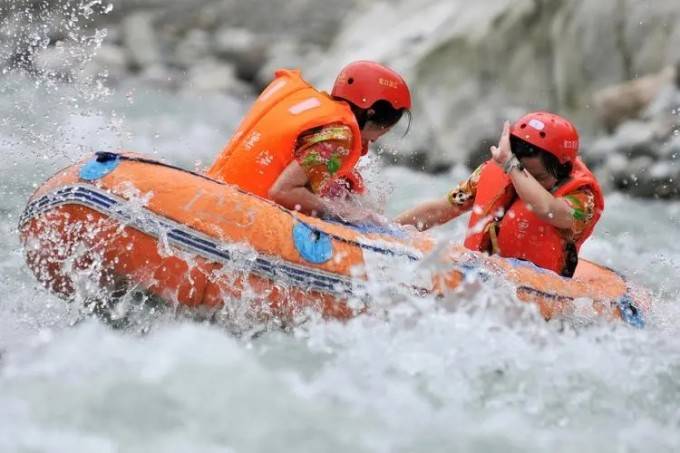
[(207, 248)]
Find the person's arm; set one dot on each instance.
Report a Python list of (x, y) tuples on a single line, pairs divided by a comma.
[(430, 214), (555, 211), (290, 191), (548, 208), (442, 210)]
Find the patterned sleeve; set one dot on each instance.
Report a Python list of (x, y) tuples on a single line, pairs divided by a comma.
[(463, 195), (582, 203), (321, 151)]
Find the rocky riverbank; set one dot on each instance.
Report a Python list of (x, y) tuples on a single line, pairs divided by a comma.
[(471, 65)]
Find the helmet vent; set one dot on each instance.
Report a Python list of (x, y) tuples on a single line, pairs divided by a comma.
[(542, 134), (523, 126), (350, 81)]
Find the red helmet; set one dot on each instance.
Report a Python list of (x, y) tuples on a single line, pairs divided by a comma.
[(549, 132), (363, 83)]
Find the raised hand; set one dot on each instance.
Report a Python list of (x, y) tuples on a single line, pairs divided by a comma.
[(502, 152)]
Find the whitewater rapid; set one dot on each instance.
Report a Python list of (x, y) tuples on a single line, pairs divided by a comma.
[(477, 373)]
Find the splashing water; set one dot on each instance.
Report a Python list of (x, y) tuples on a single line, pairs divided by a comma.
[(478, 372)]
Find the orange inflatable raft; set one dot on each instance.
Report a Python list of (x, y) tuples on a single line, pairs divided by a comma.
[(123, 221)]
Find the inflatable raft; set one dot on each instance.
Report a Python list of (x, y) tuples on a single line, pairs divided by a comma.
[(123, 221)]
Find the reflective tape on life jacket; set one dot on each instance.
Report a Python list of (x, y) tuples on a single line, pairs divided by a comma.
[(521, 234), (264, 144)]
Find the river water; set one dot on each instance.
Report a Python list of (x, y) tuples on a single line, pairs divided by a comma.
[(480, 373)]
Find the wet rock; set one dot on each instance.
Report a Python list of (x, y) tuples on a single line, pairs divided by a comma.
[(629, 100), (670, 150), (215, 76), (637, 179), (616, 167), (288, 54), (194, 47), (667, 102), (141, 41), (161, 76), (600, 151), (244, 49), (664, 175), (635, 138), (477, 132)]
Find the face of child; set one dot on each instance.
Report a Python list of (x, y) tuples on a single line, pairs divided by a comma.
[(534, 165), (372, 132)]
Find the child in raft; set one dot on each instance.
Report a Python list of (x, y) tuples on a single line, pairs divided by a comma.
[(299, 146), (534, 200)]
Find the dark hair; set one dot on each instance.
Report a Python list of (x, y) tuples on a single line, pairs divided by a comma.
[(552, 164), (381, 114)]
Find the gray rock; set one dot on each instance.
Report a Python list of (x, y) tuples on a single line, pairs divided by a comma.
[(670, 150), (664, 178), (637, 179), (160, 76), (288, 54), (194, 47), (599, 151), (661, 170), (635, 138), (214, 76), (616, 166), (141, 40), (666, 103), (247, 51), (632, 99)]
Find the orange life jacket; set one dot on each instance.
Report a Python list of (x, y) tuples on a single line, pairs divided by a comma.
[(264, 144), (501, 222)]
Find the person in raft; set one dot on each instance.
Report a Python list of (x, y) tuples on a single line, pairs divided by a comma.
[(299, 146), (534, 200)]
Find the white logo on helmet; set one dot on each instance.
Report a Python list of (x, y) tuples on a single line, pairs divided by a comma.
[(537, 124)]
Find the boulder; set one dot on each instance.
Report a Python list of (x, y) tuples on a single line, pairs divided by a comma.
[(289, 54), (664, 178), (599, 151), (141, 41), (193, 47), (670, 150), (629, 100), (635, 138), (245, 50), (666, 103), (637, 179), (214, 76)]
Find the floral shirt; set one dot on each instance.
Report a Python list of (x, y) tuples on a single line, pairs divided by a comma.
[(320, 152), (581, 201)]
